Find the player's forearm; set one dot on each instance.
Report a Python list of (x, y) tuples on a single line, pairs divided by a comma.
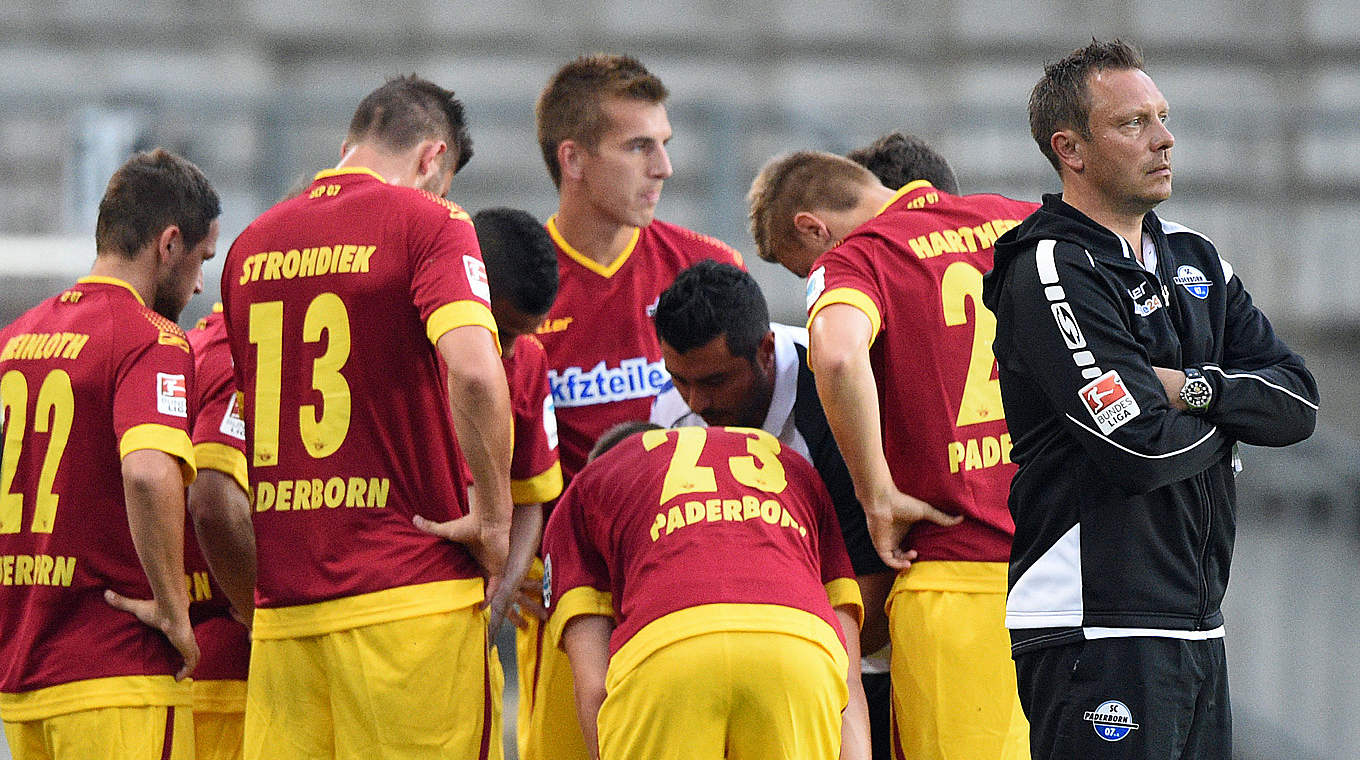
[(479, 399), (586, 641), (154, 491), (845, 384), (855, 741), (526, 531), (221, 516)]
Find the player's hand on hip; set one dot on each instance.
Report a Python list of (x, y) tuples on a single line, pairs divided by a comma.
[(890, 515), (488, 542), (166, 618)]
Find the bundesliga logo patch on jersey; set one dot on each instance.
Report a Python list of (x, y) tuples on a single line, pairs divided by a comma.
[(1112, 720), (1193, 280), (233, 424), (476, 276), (172, 397), (815, 285), (1109, 402)]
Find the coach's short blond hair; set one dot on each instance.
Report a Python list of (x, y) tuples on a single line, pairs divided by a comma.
[(804, 180)]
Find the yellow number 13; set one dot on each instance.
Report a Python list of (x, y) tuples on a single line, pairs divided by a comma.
[(323, 432)]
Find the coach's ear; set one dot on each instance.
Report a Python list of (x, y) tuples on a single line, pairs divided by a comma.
[(1068, 146)]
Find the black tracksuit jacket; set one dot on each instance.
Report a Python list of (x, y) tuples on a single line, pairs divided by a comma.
[(1124, 507)]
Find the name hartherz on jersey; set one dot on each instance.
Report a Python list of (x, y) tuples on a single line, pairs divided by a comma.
[(602, 384)]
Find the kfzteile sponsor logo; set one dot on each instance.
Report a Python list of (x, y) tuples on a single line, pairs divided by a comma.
[(633, 378)]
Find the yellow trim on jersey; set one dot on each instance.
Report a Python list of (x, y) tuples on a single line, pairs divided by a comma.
[(460, 314), (907, 188), (113, 281), (545, 486), (582, 600), (359, 610), (844, 592), (850, 297), (970, 577), (211, 455), (219, 696), (711, 618), (587, 262), (343, 170), (158, 437), (94, 693)]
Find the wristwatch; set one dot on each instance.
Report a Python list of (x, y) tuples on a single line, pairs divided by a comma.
[(1196, 393)]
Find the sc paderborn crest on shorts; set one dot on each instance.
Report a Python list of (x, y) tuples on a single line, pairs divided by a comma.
[(547, 582), (1112, 720)]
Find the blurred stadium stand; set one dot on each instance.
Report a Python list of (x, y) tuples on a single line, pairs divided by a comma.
[(1265, 103)]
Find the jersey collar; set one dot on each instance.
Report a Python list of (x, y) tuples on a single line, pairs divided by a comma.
[(324, 173), (587, 262), (906, 189), (103, 280)]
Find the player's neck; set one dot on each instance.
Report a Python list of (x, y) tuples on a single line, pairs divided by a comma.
[(134, 272), (600, 239)]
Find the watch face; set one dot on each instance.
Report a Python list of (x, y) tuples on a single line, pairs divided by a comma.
[(1196, 393)]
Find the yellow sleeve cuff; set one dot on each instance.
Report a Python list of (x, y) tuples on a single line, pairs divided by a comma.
[(460, 314), (172, 441), (844, 592), (223, 458), (545, 486), (582, 600), (850, 297)]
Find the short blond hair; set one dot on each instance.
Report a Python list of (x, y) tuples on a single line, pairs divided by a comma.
[(571, 106), (804, 180)]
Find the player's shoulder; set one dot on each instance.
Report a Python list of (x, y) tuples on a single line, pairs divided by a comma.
[(696, 245)]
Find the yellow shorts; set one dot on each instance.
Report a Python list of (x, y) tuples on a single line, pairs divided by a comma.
[(548, 728), (953, 681), (219, 719), (413, 688), (734, 694), (154, 732)]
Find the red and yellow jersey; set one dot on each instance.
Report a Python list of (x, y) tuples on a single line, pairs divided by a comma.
[(219, 437), (604, 359), (691, 530), (334, 300), (85, 378), (535, 472), (916, 270)]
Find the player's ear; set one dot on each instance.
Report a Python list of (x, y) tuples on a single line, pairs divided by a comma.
[(569, 155), (169, 244), (765, 352), (429, 158), (811, 229), (1067, 145)]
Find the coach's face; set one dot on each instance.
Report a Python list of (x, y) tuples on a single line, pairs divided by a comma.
[(1127, 156), (623, 174), (722, 388)]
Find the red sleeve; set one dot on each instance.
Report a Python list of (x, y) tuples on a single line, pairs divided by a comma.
[(151, 400), (575, 575), (846, 274), (448, 284), (535, 473), (219, 430)]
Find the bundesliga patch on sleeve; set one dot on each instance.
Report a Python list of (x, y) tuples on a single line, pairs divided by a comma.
[(233, 424), (1109, 402), (815, 285), (172, 397), (476, 276)]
